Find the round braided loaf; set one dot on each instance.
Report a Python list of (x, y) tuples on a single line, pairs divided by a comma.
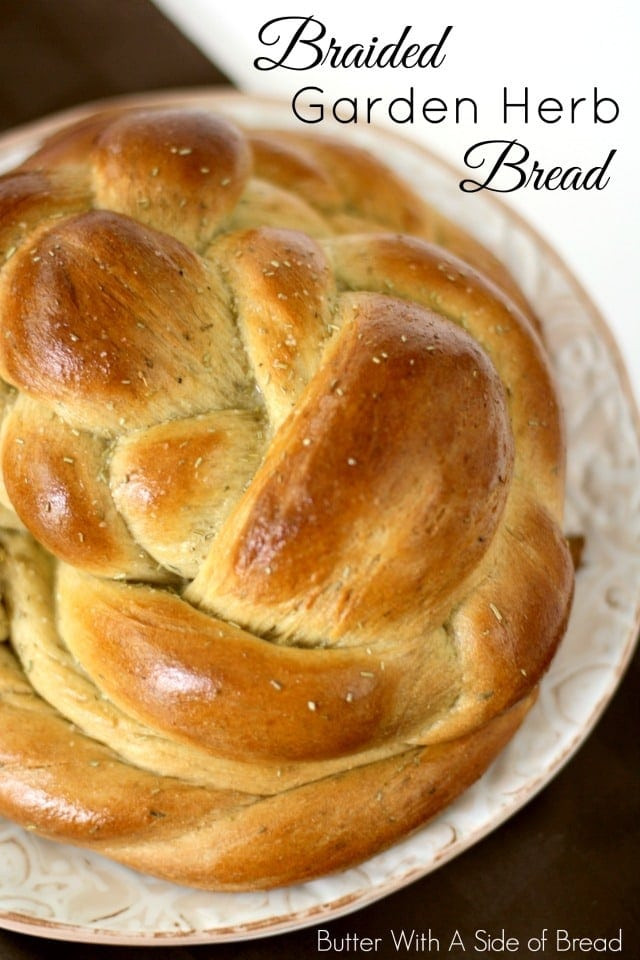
[(282, 469)]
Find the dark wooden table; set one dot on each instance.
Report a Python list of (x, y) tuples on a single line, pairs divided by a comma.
[(569, 859)]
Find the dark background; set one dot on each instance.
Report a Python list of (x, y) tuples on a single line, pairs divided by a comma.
[(570, 858)]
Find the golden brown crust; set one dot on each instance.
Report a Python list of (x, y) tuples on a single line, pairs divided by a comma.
[(67, 787), (28, 198), (373, 457), (291, 461), (54, 478)]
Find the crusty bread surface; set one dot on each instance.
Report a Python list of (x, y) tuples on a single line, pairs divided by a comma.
[(282, 466)]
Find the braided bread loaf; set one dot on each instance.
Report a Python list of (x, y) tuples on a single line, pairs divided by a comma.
[(282, 486)]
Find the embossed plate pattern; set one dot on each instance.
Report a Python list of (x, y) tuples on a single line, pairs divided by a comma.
[(60, 892)]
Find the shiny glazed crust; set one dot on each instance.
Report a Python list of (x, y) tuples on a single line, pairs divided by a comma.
[(282, 482)]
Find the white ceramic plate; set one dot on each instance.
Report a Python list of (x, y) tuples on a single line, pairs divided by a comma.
[(60, 892)]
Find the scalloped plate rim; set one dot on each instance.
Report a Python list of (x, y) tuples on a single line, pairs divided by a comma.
[(26, 137)]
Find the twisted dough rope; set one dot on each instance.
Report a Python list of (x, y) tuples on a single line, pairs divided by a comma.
[(292, 480)]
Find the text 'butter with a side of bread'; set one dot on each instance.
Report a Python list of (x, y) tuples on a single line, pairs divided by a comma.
[(282, 481)]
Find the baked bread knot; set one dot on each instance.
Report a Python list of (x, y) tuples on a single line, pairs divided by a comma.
[(282, 481)]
